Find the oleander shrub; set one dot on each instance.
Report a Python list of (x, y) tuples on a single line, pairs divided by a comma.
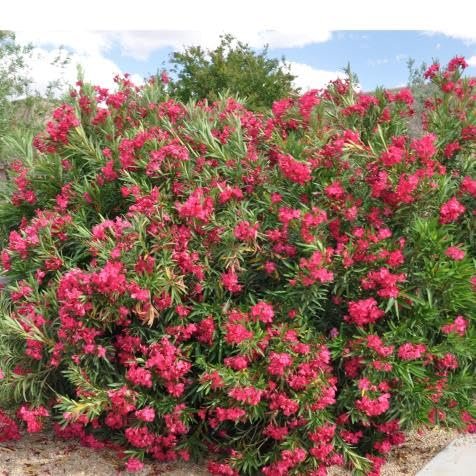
[(272, 293)]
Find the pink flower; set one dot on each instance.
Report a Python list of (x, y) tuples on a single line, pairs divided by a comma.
[(134, 465), (298, 172), (249, 395), (459, 326), (237, 333), (451, 211), (457, 62), (455, 253), (237, 362), (451, 149), (33, 417), (139, 437), (425, 147), (278, 363), (232, 414), (9, 430), (139, 376), (364, 312), (244, 231), (411, 351), (394, 155), (276, 432), (448, 361), (146, 414), (198, 206), (229, 280), (335, 191), (374, 407), (468, 185), (431, 72), (263, 312)]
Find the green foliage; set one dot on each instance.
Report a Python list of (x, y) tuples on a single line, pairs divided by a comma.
[(194, 279), (233, 67)]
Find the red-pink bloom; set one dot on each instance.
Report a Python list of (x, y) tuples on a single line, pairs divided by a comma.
[(392, 156), (276, 432), (33, 417), (278, 362), (221, 469), (248, 395), (229, 281), (451, 211), (306, 102), (145, 414), (237, 333), (451, 149), (385, 281), (457, 62), (364, 311), (281, 402), (298, 172), (286, 214), (375, 343), (448, 361), (425, 147), (214, 378), (244, 231), (263, 312), (468, 185), (459, 326), (237, 362), (232, 414), (197, 205), (455, 253), (9, 430), (134, 465), (411, 351), (373, 407), (335, 191), (139, 376), (139, 437), (270, 267), (431, 72)]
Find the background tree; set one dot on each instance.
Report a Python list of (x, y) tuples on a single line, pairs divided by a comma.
[(13, 81), (23, 108), (234, 67), (421, 90)]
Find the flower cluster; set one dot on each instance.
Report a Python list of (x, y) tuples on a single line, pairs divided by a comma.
[(270, 292)]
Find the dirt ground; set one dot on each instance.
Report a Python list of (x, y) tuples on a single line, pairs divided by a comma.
[(44, 455)]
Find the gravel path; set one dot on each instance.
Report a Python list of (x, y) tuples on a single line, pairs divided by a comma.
[(44, 455)]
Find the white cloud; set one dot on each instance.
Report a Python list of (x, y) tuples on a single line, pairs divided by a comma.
[(140, 44), (465, 33), (86, 49), (311, 78), (82, 42), (471, 61), (378, 61), (96, 68), (91, 49)]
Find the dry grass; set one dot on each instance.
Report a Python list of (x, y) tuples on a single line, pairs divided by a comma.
[(44, 455)]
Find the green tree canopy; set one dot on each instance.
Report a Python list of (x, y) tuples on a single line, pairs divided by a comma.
[(233, 67)]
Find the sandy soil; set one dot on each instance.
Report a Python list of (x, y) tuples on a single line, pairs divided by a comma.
[(44, 455)]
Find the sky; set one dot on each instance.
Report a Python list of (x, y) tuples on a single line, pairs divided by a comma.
[(378, 57), (318, 39)]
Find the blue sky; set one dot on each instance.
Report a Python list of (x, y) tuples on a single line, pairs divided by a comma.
[(378, 57)]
